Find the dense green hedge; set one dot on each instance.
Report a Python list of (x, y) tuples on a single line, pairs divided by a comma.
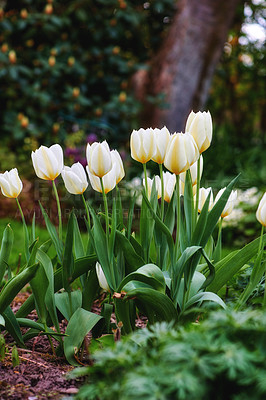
[(223, 357)]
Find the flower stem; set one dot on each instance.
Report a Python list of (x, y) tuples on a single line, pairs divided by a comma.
[(177, 211), (106, 210), (26, 233), (59, 210), (162, 197), (87, 209), (197, 192), (145, 177)]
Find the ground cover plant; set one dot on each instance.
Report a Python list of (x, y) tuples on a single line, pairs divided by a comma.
[(168, 270)]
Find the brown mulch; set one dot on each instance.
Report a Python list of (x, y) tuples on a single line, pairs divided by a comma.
[(40, 375)]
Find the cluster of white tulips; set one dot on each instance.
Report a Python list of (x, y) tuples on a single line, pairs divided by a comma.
[(178, 152)]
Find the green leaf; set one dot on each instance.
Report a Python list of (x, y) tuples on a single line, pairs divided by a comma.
[(149, 274), (68, 258), (78, 244), (232, 263), (153, 301), (62, 303), (205, 296), (13, 287), (12, 326), (53, 234), (80, 324), (132, 258), (6, 246)]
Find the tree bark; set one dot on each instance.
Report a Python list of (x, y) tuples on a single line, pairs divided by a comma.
[(183, 68)]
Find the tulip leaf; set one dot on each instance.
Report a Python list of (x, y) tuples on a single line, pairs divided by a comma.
[(216, 212), (204, 296), (125, 312), (201, 223), (13, 286), (6, 246), (78, 244), (130, 214), (230, 265), (12, 326), (68, 258), (39, 286), (62, 303), (156, 304), (80, 324), (132, 258), (188, 205), (149, 274), (53, 234), (81, 266)]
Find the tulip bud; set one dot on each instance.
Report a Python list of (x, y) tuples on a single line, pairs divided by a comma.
[(142, 145), (181, 153), (193, 171), (162, 137), (199, 125), (158, 186), (10, 183), (261, 211), (101, 278), (229, 204), (75, 179), (169, 181), (48, 162), (203, 194), (119, 169), (109, 180), (99, 158), (12, 57)]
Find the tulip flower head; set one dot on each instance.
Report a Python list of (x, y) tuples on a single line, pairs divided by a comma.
[(101, 278), (142, 145), (203, 194), (109, 180), (169, 181), (158, 186), (229, 204), (10, 183), (116, 159), (199, 125), (75, 179), (181, 153), (99, 158), (193, 172), (161, 137), (48, 161), (261, 211)]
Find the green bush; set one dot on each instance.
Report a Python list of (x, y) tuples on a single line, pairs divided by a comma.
[(222, 357), (68, 64)]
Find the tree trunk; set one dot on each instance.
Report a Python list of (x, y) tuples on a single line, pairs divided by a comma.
[(183, 68)]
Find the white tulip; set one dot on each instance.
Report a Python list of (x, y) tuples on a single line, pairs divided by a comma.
[(261, 211), (162, 137), (199, 125), (109, 180), (75, 179), (10, 183), (181, 153), (203, 194), (229, 204), (193, 171), (116, 159), (169, 181), (101, 278), (142, 145), (99, 158), (158, 185), (48, 161)]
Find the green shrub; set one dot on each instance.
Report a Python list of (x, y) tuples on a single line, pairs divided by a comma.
[(222, 357)]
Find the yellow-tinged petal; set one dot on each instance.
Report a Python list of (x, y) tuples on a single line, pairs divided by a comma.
[(10, 183), (261, 211), (75, 179), (48, 162)]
